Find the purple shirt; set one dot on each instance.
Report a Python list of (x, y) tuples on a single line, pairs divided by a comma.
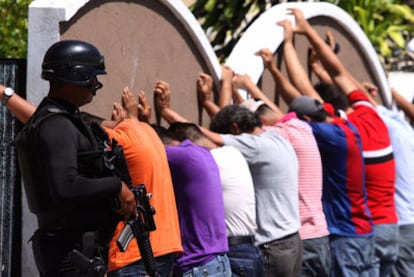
[(200, 206)]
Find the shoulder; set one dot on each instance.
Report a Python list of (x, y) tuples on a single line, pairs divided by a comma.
[(226, 151), (62, 121)]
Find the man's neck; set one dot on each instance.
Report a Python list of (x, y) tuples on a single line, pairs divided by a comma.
[(206, 143), (257, 131)]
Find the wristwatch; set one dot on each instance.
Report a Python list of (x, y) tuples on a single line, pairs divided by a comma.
[(7, 93)]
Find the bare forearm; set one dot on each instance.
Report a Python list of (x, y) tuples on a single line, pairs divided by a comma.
[(286, 89), (211, 108), (20, 108), (403, 104), (225, 93), (325, 54), (172, 116), (215, 137), (330, 61), (296, 72), (321, 73), (256, 93), (237, 98)]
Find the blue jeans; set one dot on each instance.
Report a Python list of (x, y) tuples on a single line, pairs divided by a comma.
[(353, 257), (316, 257), (405, 264), (283, 257), (386, 247), (245, 260), (217, 267), (164, 268)]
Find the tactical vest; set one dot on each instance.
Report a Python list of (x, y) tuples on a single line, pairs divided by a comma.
[(90, 164)]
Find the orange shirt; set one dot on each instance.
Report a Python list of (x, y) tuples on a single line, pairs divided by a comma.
[(147, 162)]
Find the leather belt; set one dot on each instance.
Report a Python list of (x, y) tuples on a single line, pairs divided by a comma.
[(240, 240)]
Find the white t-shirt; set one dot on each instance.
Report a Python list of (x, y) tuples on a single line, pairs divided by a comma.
[(238, 191)]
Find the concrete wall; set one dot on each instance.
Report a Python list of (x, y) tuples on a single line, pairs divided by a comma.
[(142, 41)]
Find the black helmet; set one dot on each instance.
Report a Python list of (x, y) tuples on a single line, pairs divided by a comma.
[(73, 61)]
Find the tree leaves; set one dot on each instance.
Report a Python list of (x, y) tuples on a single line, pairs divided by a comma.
[(384, 22), (387, 23), (13, 28), (225, 21)]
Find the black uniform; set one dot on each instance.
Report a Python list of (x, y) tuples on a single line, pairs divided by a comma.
[(68, 188)]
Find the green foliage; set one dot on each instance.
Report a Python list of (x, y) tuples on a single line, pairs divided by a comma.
[(13, 28), (226, 20), (387, 23)]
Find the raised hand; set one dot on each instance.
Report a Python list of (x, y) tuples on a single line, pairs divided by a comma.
[(162, 92), (144, 108), (129, 103), (226, 72), (266, 56), (288, 30), (118, 113), (205, 87), (301, 23), (242, 81), (370, 88)]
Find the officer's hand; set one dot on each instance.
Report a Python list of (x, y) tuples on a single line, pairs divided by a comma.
[(127, 202)]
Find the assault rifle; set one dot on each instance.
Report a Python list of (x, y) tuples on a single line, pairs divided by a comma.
[(140, 226)]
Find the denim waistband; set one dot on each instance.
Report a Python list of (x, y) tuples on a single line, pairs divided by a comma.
[(214, 266)]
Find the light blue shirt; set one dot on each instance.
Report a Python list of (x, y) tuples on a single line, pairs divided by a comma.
[(402, 140), (274, 168)]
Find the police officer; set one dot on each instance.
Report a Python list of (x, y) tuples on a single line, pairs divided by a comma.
[(67, 184)]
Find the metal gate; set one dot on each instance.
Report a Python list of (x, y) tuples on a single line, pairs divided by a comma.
[(13, 74)]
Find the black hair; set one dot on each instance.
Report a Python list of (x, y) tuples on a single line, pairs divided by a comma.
[(246, 120), (318, 116), (263, 110), (331, 94), (165, 135), (186, 130)]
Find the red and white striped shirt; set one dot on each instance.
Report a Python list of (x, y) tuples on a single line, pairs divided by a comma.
[(299, 134)]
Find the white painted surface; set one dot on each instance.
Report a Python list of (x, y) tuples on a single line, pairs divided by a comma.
[(403, 83), (264, 33)]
